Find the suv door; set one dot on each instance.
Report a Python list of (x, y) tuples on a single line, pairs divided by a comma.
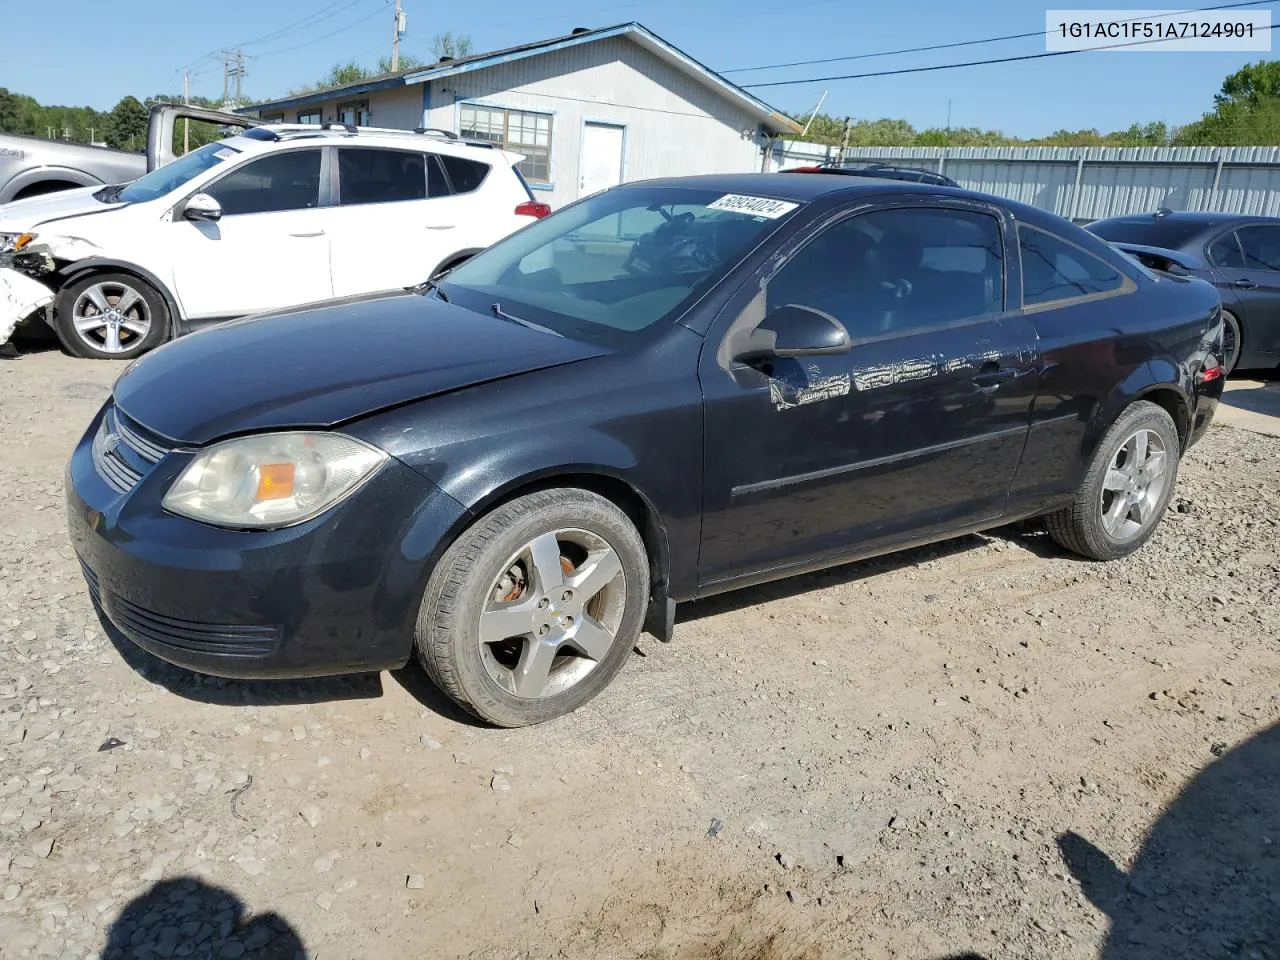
[(1251, 267), (399, 219), (270, 249), (919, 427)]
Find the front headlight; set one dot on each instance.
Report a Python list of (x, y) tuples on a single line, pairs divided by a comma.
[(271, 480), (14, 242)]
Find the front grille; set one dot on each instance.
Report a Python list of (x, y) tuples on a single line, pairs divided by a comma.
[(219, 639), (121, 451)]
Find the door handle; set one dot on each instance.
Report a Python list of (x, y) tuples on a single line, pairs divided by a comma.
[(441, 226), (992, 375), (313, 233), (1245, 284)]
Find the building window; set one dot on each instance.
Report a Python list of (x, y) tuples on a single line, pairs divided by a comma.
[(309, 116), (272, 118), (516, 130), (355, 112)]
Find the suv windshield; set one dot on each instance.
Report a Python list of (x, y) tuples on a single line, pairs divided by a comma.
[(619, 262), (173, 175)]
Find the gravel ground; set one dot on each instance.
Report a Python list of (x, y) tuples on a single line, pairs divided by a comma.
[(982, 748)]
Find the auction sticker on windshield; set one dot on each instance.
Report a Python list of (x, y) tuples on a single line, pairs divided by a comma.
[(753, 206)]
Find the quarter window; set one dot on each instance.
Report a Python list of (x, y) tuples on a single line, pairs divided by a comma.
[(465, 175), (1053, 269), (289, 180), (1261, 247), (1225, 251), (893, 271), (381, 176), (520, 131)]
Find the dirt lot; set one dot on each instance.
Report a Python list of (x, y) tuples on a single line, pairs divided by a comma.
[(959, 750)]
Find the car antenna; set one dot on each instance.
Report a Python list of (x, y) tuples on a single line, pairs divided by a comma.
[(1162, 212)]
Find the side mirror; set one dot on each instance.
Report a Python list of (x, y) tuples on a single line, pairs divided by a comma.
[(794, 331), (202, 207)]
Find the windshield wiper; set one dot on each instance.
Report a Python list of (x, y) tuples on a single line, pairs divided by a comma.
[(428, 285), (499, 312)]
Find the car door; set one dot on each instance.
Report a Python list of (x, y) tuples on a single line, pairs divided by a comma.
[(917, 428), (269, 249), (398, 219), (1251, 268)]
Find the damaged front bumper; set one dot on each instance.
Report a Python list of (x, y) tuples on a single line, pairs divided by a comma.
[(28, 278), (21, 297)]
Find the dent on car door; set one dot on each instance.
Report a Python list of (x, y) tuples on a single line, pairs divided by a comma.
[(917, 428)]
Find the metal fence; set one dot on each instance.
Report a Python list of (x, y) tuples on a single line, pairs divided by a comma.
[(1086, 183)]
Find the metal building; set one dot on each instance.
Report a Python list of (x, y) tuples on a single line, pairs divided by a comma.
[(588, 110), (1086, 183)]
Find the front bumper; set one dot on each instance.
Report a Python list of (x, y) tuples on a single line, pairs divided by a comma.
[(20, 297), (338, 594)]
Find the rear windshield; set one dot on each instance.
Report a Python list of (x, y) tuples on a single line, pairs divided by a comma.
[(176, 173), (619, 262), (1170, 234)]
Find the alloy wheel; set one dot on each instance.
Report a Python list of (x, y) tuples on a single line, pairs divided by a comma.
[(553, 613), (111, 317), (1134, 485)]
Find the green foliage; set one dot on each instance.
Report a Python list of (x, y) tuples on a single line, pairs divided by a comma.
[(407, 62), (898, 133), (447, 45), (127, 125), (1251, 84)]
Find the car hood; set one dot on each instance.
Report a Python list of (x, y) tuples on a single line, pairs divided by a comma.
[(20, 215), (319, 366)]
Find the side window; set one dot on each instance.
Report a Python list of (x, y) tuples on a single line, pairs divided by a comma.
[(1261, 247), (1225, 251), (289, 180), (466, 175), (892, 271), (380, 176), (1053, 269)]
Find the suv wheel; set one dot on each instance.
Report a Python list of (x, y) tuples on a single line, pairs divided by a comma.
[(536, 608), (110, 316), (1231, 341), (1126, 489)]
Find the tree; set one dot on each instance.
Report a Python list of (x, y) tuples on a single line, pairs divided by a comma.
[(1251, 84), (126, 125), (447, 45)]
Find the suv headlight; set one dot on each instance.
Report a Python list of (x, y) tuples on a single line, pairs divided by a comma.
[(272, 479), (14, 242)]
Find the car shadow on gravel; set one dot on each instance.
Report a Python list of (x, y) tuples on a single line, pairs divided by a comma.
[(223, 692), (1029, 535), (187, 917), (1206, 882)]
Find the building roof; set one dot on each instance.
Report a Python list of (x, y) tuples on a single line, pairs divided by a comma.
[(765, 114)]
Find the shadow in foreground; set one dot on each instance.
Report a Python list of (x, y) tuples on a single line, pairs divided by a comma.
[(1206, 883), (216, 690), (189, 918)]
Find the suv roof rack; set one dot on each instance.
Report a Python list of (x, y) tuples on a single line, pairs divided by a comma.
[(295, 131)]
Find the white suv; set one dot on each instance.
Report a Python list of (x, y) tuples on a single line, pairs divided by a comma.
[(275, 217)]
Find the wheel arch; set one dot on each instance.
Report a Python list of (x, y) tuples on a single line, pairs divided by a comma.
[(79, 269), (1161, 382)]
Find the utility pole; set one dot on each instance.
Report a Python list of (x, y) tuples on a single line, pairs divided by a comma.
[(239, 73), (226, 74), (232, 66), (844, 146), (396, 34), (948, 119), (186, 124)]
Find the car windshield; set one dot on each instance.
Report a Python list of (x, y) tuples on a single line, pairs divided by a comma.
[(174, 174), (1170, 234), (619, 262)]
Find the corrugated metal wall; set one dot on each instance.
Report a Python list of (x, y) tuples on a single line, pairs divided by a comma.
[(1112, 180)]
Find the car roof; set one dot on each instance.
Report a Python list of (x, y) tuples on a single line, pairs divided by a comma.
[(1205, 218), (802, 189)]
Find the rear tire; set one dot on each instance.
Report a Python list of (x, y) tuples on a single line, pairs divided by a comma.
[(1126, 489), (1232, 341), (535, 608), (91, 325)]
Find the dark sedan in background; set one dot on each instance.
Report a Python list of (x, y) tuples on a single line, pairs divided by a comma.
[(664, 391), (1238, 254)]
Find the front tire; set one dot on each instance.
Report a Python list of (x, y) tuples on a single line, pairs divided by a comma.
[(110, 316), (1127, 487), (535, 608)]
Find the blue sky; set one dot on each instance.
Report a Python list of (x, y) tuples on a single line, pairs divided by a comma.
[(101, 50)]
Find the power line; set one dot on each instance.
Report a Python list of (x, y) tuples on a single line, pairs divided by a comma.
[(307, 43), (969, 43), (956, 66)]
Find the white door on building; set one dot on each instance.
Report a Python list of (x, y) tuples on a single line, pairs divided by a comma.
[(600, 166)]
